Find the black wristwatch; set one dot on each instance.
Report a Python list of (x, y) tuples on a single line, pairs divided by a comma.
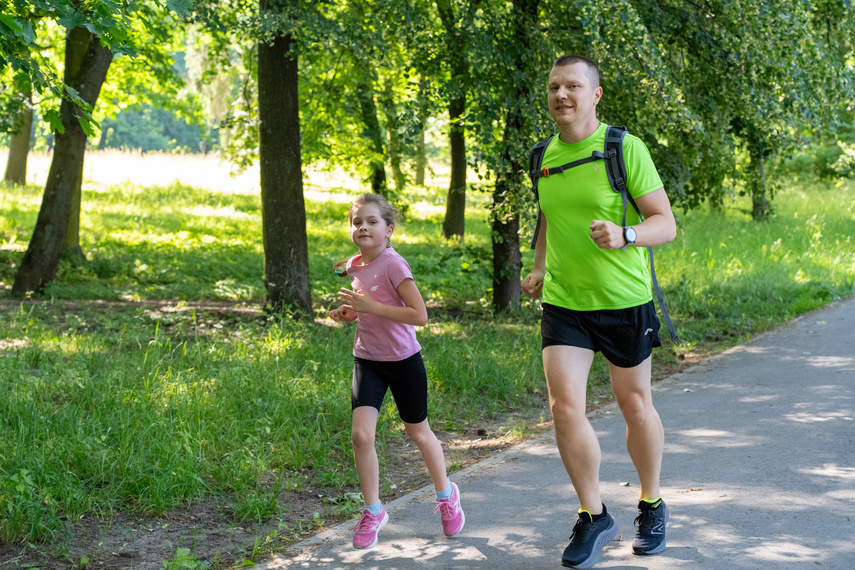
[(629, 235)]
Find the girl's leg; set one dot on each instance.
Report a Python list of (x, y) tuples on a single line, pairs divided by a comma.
[(447, 494), (431, 451), (363, 431)]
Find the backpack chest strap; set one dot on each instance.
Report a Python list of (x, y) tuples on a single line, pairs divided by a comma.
[(546, 172)]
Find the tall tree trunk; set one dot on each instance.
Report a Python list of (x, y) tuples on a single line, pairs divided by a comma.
[(390, 109), (455, 208), (507, 260), (19, 144), (421, 157), (283, 210), (372, 132), (716, 201), (505, 218), (421, 153), (102, 140), (86, 64), (71, 249), (759, 201)]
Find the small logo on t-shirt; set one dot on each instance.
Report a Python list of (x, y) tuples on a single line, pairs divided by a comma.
[(596, 167), (375, 287)]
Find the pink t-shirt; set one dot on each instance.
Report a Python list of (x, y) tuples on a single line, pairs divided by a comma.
[(378, 338)]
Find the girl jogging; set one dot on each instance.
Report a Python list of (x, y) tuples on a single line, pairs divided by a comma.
[(387, 306)]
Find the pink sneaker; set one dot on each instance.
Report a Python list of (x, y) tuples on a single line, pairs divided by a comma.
[(367, 528), (451, 512)]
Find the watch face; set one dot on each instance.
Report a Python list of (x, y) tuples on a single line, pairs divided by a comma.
[(630, 235)]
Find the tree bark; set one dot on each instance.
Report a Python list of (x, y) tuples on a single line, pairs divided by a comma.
[(505, 218), (757, 151), (19, 144), (86, 64), (372, 132), (507, 260), (759, 201), (283, 210), (455, 209), (71, 249), (390, 109), (421, 153)]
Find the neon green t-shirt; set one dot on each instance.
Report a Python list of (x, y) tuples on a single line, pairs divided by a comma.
[(579, 275)]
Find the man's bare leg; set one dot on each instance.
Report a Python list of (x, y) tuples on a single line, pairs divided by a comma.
[(566, 369), (645, 437)]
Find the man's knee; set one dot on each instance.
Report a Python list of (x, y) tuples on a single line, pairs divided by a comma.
[(566, 410), (636, 408)]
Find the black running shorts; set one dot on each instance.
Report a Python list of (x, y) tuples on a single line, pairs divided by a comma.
[(626, 337), (406, 378)]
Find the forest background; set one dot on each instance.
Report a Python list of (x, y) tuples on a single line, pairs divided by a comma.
[(191, 315)]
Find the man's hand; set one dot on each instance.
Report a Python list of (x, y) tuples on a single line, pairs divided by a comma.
[(343, 315), (607, 235), (532, 285)]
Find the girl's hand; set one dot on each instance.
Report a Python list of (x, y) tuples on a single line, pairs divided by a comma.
[(532, 285), (357, 301), (343, 314)]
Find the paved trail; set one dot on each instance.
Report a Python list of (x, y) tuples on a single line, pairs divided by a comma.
[(759, 472)]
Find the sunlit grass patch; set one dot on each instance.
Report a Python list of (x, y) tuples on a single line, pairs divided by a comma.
[(215, 212), (426, 211), (726, 275)]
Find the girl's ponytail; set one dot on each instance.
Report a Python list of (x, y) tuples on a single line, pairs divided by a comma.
[(340, 268)]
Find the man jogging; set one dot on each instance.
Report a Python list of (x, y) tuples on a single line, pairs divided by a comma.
[(595, 281)]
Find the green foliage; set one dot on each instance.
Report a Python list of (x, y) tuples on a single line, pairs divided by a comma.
[(22, 57), (827, 162), (749, 73), (138, 33), (150, 129)]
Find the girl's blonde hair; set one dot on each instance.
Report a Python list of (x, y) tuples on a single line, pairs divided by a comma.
[(388, 212)]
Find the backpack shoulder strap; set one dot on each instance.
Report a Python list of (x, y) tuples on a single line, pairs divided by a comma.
[(616, 167), (616, 170), (536, 172), (613, 151), (535, 161)]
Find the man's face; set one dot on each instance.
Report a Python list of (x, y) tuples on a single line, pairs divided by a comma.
[(572, 98)]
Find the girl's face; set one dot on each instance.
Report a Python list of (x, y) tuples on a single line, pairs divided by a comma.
[(368, 230)]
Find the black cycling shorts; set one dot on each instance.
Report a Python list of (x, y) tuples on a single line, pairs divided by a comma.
[(406, 378), (626, 337)]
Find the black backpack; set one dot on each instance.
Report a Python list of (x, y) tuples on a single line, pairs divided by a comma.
[(616, 170)]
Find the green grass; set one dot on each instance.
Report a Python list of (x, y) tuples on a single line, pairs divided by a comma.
[(727, 275), (134, 408), (179, 242)]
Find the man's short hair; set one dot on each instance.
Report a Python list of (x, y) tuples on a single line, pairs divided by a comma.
[(593, 70)]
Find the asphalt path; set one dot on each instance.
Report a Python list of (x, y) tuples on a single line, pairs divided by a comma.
[(758, 472)]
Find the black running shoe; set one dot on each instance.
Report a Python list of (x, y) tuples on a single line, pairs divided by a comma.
[(651, 521), (588, 539)]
